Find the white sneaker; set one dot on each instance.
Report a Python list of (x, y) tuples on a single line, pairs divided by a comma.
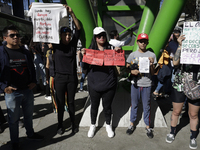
[(91, 131), (48, 98), (109, 131)]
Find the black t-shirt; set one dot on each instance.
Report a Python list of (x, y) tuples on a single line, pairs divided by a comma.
[(102, 78), (65, 56), (19, 73)]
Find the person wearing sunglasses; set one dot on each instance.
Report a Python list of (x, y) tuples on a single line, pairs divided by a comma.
[(17, 79), (65, 71), (143, 87), (102, 82)]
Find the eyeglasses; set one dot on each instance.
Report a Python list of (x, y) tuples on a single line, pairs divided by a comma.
[(13, 35), (100, 35)]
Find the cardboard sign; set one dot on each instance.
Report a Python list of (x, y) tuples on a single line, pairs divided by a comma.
[(190, 52), (106, 57)]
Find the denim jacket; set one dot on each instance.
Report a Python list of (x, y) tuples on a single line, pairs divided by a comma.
[(5, 67)]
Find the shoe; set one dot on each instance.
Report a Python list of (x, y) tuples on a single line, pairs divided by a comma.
[(15, 146), (193, 143), (91, 131), (130, 130), (21, 124), (81, 90), (150, 133), (170, 138), (36, 137), (60, 131), (1, 129), (75, 129), (48, 98), (109, 131)]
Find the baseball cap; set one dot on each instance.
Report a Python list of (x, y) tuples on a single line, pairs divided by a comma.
[(98, 30), (142, 36)]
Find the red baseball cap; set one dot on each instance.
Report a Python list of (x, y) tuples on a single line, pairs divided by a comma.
[(142, 36)]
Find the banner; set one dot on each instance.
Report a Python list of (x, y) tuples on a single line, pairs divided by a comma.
[(106, 57), (190, 52)]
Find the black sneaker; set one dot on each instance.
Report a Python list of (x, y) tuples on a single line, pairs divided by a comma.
[(150, 133), (1, 129), (74, 129), (60, 131), (15, 146), (130, 130), (36, 137)]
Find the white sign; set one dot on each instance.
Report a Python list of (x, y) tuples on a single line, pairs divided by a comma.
[(190, 52), (45, 19), (144, 64)]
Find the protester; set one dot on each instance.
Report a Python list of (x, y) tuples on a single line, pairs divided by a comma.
[(38, 63), (114, 39), (17, 81), (102, 83), (178, 99), (143, 87), (65, 71), (83, 72)]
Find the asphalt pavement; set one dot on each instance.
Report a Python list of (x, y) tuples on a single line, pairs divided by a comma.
[(45, 123)]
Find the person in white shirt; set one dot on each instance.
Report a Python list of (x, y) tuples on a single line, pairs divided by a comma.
[(114, 39)]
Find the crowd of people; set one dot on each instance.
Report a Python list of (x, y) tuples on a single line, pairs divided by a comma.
[(56, 63)]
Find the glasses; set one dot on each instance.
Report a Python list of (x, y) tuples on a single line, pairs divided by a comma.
[(100, 35), (13, 35), (65, 29)]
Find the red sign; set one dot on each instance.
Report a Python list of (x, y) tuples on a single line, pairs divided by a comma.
[(106, 57)]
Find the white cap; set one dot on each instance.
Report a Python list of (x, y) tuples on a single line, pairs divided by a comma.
[(98, 30)]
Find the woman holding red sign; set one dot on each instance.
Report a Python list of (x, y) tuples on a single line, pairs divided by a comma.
[(102, 82)]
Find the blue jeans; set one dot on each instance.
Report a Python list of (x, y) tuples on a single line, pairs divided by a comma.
[(39, 69), (82, 80), (159, 86), (14, 100), (136, 94)]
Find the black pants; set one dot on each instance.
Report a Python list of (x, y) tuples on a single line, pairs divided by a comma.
[(65, 83), (107, 98)]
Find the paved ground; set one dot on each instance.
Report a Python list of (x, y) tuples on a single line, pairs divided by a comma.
[(45, 122)]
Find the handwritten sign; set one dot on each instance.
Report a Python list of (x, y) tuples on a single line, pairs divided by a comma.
[(190, 52), (113, 58), (45, 19), (93, 57), (106, 57)]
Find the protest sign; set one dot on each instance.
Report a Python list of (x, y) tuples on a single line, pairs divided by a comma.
[(93, 57), (190, 52), (144, 64), (113, 58), (106, 57), (45, 19)]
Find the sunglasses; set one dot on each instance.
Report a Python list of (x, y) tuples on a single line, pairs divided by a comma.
[(13, 35), (65, 29), (100, 35)]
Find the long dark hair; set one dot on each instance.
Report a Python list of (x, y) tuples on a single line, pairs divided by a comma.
[(93, 44)]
